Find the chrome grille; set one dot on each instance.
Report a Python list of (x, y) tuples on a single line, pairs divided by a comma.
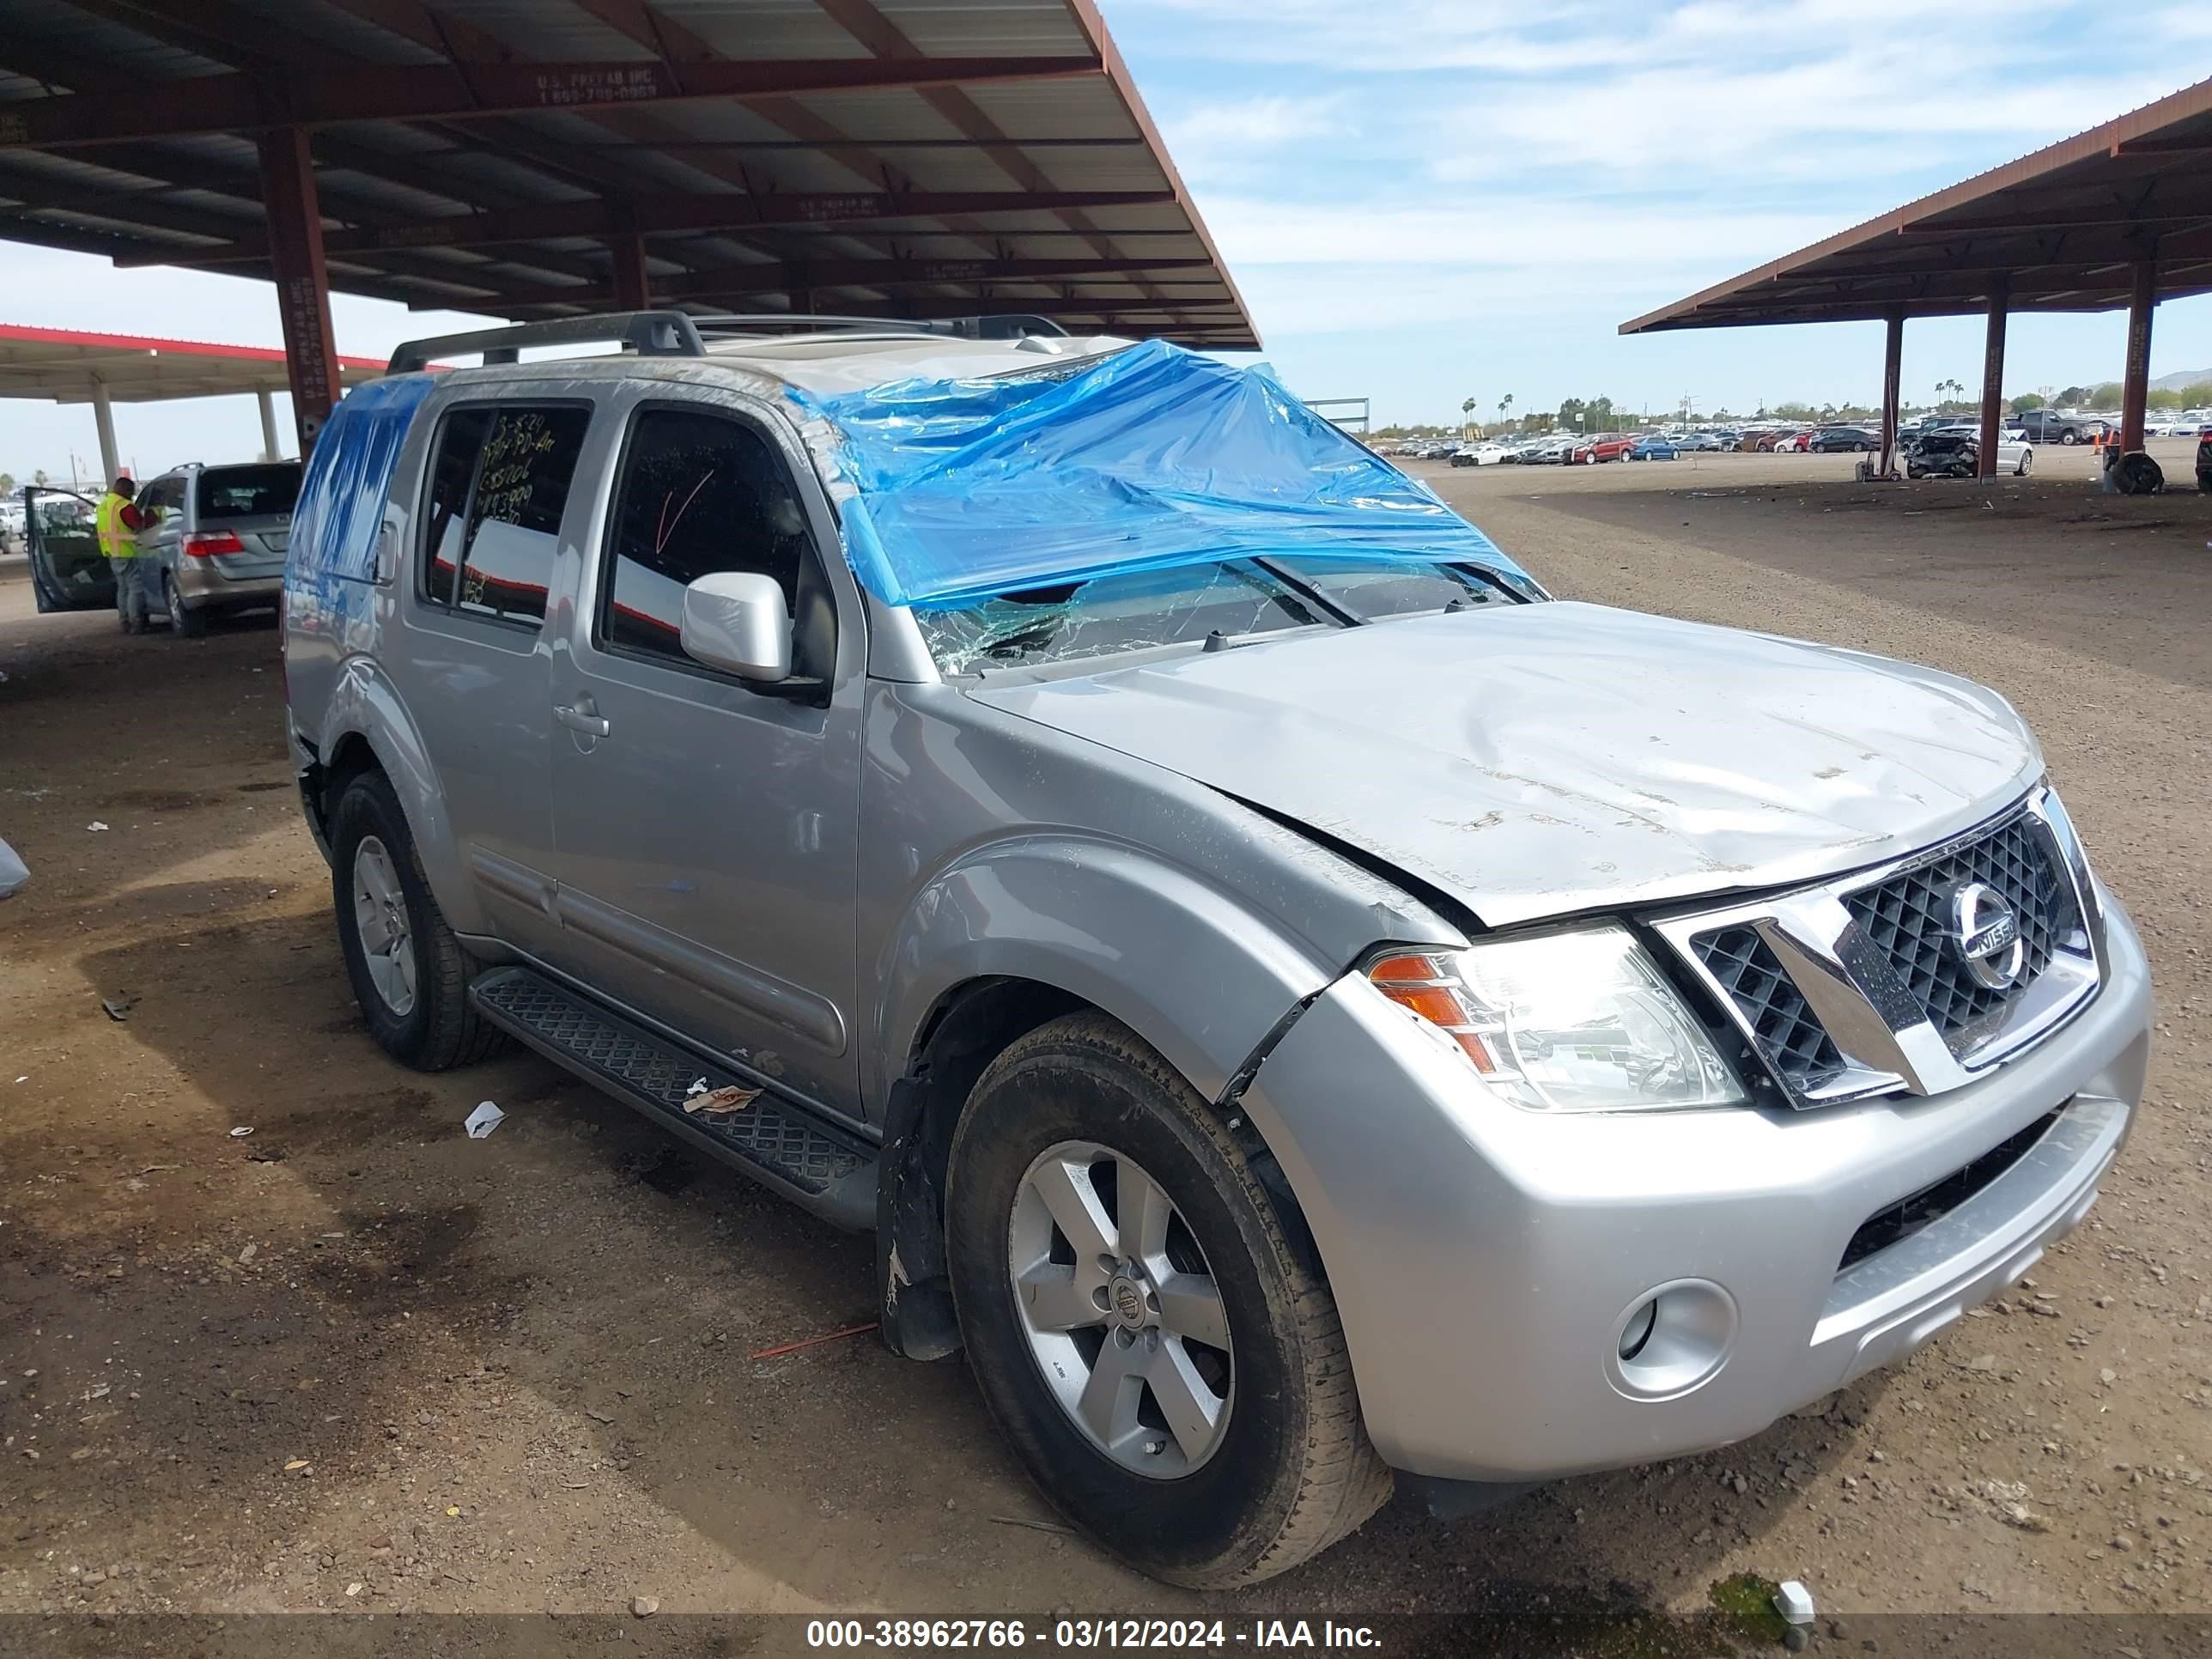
[(1908, 917), (1855, 987), (1794, 1040)]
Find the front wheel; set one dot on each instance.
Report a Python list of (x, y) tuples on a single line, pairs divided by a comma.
[(1171, 1373), (409, 974), (2026, 459)]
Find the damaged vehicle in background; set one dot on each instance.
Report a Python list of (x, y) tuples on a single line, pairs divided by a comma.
[(1948, 452), (1299, 1006)]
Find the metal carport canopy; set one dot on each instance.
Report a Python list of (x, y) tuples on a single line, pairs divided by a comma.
[(67, 367), (2063, 229), (532, 158)]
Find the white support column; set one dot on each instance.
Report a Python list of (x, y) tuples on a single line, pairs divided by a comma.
[(267, 399), (103, 413)]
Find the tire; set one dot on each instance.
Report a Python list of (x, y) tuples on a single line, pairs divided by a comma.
[(431, 1027), (2026, 457), (1284, 1468), (184, 622), (2068, 436)]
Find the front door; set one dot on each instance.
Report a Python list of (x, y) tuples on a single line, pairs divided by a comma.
[(705, 828), (68, 570)]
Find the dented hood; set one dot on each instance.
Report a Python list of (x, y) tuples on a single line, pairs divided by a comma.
[(1550, 758)]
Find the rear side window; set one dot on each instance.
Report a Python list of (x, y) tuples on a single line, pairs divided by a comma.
[(700, 493), (165, 494), (246, 492), (499, 483)]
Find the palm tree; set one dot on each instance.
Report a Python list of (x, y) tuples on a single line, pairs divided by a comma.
[(1467, 425), (1504, 404)]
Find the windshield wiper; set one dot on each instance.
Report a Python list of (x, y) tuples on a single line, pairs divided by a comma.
[(1306, 590)]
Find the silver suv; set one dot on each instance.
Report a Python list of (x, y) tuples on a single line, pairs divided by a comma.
[(1291, 1012)]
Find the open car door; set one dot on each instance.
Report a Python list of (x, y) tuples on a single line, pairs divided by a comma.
[(68, 572)]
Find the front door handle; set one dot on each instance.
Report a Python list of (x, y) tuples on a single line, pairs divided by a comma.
[(581, 716)]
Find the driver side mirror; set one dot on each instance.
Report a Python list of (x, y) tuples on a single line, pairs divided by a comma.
[(735, 621)]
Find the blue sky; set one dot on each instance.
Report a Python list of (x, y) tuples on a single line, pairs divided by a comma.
[(1445, 198)]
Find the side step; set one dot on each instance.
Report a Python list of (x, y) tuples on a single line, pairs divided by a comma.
[(778, 1144)]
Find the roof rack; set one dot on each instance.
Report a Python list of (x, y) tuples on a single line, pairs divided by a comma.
[(679, 334)]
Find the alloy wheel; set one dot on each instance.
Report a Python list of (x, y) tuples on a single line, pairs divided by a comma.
[(1122, 1312), (380, 915)]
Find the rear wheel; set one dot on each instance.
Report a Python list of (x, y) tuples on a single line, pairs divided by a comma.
[(2068, 436), (409, 975), (1170, 1371), (184, 623)]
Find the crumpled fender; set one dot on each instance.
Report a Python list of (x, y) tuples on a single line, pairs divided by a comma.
[(1198, 975)]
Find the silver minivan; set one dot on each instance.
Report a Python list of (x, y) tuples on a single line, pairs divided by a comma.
[(219, 546), (1299, 1006)]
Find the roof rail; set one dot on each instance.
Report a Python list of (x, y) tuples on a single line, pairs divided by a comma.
[(649, 333), (679, 334), (808, 322)]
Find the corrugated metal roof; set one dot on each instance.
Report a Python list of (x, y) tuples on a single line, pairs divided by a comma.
[(807, 176), (2061, 230)]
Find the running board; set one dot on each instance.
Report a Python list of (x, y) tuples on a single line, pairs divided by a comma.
[(778, 1144)]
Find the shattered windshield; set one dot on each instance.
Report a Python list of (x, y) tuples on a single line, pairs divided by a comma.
[(1113, 614), (1237, 599)]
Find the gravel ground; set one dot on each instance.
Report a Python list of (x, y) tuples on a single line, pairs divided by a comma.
[(356, 1359)]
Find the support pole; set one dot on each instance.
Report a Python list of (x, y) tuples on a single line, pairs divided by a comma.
[(1993, 377), (103, 414), (303, 284), (267, 399), (2135, 384), (1892, 368), (626, 248)]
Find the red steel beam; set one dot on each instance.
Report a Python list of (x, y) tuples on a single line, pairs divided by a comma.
[(781, 277), (663, 214), (1892, 375), (1993, 347), (303, 285), (448, 91), (633, 283), (2135, 385)]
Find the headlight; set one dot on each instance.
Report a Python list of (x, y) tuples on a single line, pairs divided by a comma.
[(1571, 1021)]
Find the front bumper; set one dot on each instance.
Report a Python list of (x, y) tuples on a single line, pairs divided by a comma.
[(1484, 1260)]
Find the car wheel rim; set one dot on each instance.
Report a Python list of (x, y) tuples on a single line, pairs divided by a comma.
[(1121, 1309), (380, 915)]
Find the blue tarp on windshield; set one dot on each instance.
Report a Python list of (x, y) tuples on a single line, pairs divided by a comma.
[(1151, 458)]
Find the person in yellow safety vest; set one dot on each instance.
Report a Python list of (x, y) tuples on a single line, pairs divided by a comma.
[(118, 522)]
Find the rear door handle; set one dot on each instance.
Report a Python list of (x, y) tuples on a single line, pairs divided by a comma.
[(579, 717)]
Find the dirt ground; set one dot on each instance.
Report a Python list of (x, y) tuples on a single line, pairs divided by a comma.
[(356, 1360)]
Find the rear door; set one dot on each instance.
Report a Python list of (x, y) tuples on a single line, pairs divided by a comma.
[(245, 513), (68, 570), (503, 504)]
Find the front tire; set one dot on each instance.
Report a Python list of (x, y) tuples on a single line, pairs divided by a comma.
[(1171, 1373), (409, 975)]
